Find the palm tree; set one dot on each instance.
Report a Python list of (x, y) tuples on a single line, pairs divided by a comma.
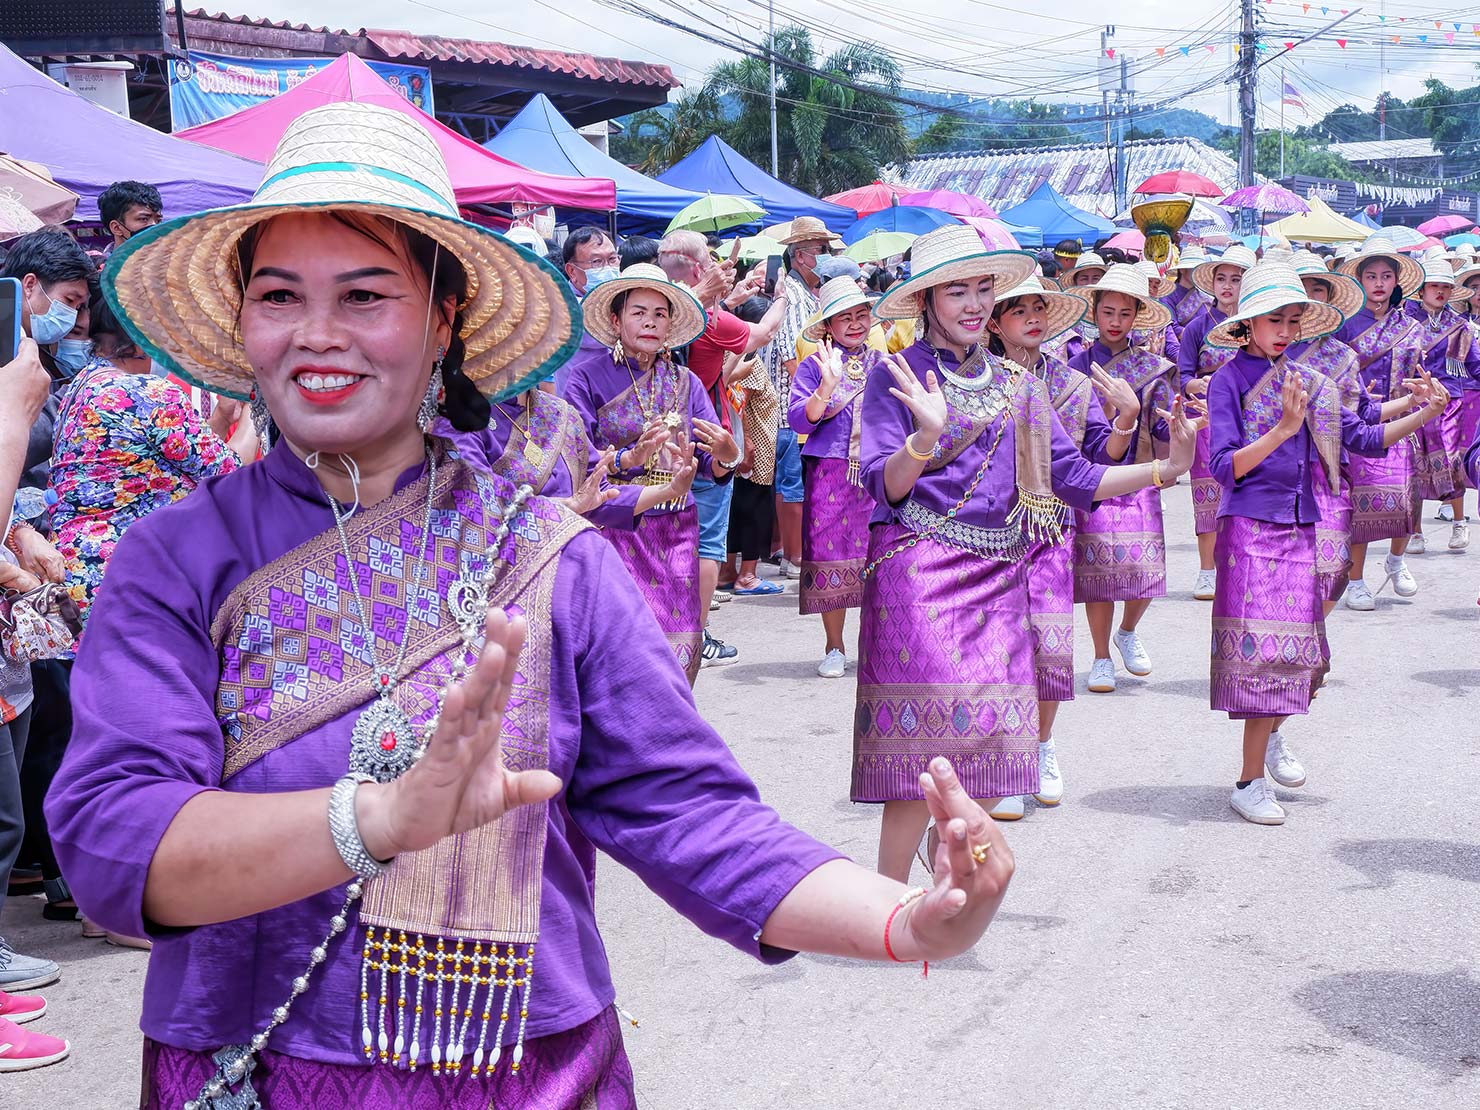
[(656, 140), (830, 136)]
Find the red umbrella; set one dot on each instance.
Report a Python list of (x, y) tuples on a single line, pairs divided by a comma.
[(1180, 181), (1445, 225), (951, 203), (868, 199)]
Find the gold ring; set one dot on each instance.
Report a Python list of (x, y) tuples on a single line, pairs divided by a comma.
[(979, 852)]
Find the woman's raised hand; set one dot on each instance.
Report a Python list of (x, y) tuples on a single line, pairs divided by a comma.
[(653, 437), (831, 359), (1183, 437), (591, 495), (461, 782), (926, 402), (1116, 393), (1293, 400)]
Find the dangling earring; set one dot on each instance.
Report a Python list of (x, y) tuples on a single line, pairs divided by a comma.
[(618, 355), (431, 402), (665, 353), (260, 417)]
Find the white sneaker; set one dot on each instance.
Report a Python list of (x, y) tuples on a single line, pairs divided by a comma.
[(1404, 584), (1050, 777), (834, 664), (1102, 677), (1133, 652), (1008, 809), (790, 569), (1207, 585), (1459, 536), (1281, 763), (1359, 597), (1417, 545), (1446, 513), (1256, 803)]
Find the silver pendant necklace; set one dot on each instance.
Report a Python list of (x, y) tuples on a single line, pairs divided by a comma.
[(383, 742), (971, 385)]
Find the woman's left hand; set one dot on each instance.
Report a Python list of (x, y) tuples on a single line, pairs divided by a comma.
[(717, 442), (38, 556), (973, 866), (1116, 393), (1184, 438), (591, 496)]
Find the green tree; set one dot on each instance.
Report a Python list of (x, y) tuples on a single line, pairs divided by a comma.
[(830, 136), (657, 138), (1302, 156)]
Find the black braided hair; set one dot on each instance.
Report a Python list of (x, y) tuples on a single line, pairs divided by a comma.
[(465, 406)]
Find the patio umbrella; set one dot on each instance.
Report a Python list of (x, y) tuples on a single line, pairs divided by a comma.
[(754, 247), (916, 221), (1180, 181), (868, 199), (1465, 238), (714, 213), (1404, 238), (879, 245), (1445, 225), (952, 203), (1266, 198), (994, 234), (29, 198)]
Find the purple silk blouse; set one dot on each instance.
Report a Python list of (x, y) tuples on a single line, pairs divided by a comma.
[(1193, 337), (1435, 359), (829, 437)]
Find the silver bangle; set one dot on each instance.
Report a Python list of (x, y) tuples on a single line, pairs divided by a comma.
[(344, 826)]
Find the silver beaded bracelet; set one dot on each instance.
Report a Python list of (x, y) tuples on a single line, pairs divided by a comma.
[(345, 828)]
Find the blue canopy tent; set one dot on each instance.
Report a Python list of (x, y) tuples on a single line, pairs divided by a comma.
[(717, 167), (1361, 217), (1056, 218), (540, 138)]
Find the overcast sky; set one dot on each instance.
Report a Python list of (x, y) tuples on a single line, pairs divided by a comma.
[(1050, 52)]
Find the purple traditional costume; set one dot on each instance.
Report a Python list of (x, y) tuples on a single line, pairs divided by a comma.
[(1268, 643), (946, 664), (836, 509), (1199, 360), (1185, 302), (1470, 406), (617, 403), (1446, 349), (1382, 488), (255, 672), (1120, 551)]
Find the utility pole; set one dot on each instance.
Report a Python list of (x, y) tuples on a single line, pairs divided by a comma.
[(1122, 106), (1382, 77), (1282, 122), (1247, 80), (771, 53)]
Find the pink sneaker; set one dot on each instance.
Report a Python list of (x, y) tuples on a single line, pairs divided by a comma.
[(21, 1051), (21, 1008)]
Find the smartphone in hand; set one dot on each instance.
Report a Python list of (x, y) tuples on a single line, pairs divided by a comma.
[(10, 319), (773, 274)]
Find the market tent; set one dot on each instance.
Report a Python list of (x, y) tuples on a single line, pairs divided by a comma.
[(1046, 210), (718, 167), (1360, 217), (1320, 225), (478, 176), (540, 137), (86, 148)]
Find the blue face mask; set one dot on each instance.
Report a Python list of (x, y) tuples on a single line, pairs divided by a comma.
[(598, 274), (50, 326), (73, 354)]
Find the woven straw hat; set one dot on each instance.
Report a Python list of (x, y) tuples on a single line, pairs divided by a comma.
[(1125, 277), (948, 254), (1159, 285), (687, 320), (1236, 255), (837, 295), (1089, 260), (1440, 272), (1191, 258), (1410, 273), (807, 229), (1269, 286), (1346, 292), (176, 287), (1064, 309), (1466, 272)]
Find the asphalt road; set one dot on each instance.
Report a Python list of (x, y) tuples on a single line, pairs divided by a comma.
[(1154, 950)]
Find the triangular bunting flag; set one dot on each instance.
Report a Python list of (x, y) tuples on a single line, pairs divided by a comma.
[(1186, 51), (1211, 49), (1423, 38), (1289, 46), (1110, 52), (1341, 43), (1449, 37), (1161, 51)]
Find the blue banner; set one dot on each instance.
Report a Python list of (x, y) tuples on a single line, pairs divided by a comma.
[(210, 86)]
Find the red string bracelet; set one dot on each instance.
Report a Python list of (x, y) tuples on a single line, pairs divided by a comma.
[(904, 900)]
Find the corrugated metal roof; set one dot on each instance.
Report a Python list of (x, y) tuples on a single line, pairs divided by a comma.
[(1384, 150), (1082, 174)]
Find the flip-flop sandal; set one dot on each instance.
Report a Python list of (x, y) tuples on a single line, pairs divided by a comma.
[(760, 589)]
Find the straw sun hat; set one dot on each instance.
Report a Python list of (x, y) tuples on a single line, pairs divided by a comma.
[(1190, 259), (949, 254), (1064, 309), (1159, 285), (1089, 260), (1127, 278), (176, 287), (1267, 287), (1346, 292), (1440, 272), (1236, 255), (1410, 273), (837, 295), (807, 229), (686, 315)]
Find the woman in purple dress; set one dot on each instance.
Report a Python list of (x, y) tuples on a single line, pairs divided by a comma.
[(969, 466), (1468, 277), (1186, 300), (825, 398), (1024, 320), (636, 401), (1120, 548), (1278, 430), (368, 718), (1218, 278), (1385, 342)]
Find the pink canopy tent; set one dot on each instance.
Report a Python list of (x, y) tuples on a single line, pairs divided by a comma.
[(478, 176)]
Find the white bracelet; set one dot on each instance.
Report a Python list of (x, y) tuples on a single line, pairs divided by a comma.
[(344, 826)]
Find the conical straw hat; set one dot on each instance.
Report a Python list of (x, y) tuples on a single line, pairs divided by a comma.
[(686, 322), (949, 254), (1124, 277), (1236, 255), (1410, 273), (1268, 286), (1064, 309)]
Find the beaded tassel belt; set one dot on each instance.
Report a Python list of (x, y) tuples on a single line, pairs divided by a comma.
[(1004, 545)]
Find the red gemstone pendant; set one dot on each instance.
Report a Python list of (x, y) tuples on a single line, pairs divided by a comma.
[(388, 741)]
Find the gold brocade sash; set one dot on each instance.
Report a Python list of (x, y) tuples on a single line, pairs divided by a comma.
[(969, 413), (554, 432), (1154, 380), (1070, 393), (1263, 406)]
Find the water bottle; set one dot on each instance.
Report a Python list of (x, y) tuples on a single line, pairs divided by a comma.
[(31, 502)]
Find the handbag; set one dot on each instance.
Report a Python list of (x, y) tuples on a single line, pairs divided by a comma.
[(39, 624)]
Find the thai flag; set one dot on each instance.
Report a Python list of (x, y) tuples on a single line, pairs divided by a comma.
[(1292, 97)]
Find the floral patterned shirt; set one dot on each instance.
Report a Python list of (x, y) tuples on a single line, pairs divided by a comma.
[(125, 445)]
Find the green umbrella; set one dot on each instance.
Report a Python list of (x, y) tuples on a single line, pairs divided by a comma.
[(879, 245), (715, 213), (753, 248)]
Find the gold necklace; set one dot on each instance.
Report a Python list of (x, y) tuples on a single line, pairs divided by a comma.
[(533, 452), (671, 420)]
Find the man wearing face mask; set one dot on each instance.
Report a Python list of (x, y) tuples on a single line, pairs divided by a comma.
[(127, 208), (590, 258)]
